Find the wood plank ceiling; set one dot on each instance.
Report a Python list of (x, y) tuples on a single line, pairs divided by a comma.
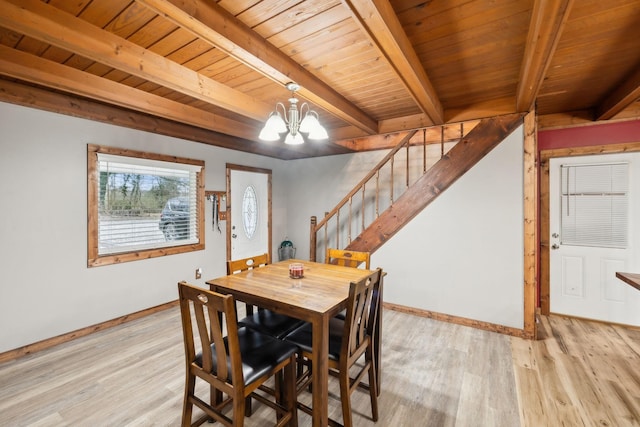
[(212, 71)]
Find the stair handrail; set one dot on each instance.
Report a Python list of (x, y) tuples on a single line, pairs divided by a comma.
[(366, 179)]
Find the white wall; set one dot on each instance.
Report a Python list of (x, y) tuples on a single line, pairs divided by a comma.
[(463, 255), (46, 288), (472, 241)]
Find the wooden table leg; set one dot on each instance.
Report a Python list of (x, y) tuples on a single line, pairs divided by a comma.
[(320, 372)]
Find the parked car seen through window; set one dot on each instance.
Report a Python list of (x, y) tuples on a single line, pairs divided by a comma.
[(174, 219)]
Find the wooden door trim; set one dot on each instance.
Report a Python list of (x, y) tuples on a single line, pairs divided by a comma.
[(530, 212), (545, 157), (269, 173)]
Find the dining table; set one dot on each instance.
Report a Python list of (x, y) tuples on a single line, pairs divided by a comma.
[(632, 279), (316, 297)]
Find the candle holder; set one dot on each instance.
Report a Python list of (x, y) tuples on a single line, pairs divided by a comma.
[(296, 270)]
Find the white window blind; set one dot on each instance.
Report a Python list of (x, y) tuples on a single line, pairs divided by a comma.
[(145, 204), (594, 206)]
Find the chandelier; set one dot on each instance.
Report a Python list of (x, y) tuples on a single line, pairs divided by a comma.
[(280, 123)]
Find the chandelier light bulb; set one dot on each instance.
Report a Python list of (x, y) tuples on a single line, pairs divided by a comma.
[(318, 133), (308, 123), (294, 139), (276, 123), (268, 134)]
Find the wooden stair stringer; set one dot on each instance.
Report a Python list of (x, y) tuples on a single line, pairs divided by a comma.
[(463, 156)]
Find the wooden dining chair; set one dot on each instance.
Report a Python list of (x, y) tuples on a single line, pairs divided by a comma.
[(354, 259), (262, 320), (347, 258), (350, 341), (235, 366), (244, 264)]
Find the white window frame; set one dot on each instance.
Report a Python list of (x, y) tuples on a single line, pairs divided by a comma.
[(97, 256)]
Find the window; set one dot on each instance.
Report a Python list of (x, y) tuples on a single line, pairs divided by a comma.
[(249, 212), (142, 205), (594, 205)]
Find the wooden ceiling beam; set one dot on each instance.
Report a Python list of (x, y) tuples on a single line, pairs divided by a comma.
[(548, 20), (380, 22), (387, 126), (75, 106), (51, 25), (24, 66), (439, 134), (621, 98), (209, 21)]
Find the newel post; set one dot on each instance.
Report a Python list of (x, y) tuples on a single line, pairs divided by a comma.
[(312, 239)]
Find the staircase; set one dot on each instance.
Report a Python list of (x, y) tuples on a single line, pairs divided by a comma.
[(391, 195)]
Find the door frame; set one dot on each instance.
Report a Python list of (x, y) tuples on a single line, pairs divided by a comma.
[(268, 172), (545, 214)]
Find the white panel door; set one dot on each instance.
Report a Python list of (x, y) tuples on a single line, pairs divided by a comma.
[(249, 221), (582, 277)]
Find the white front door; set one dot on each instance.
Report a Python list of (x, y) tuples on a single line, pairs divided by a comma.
[(595, 232), (249, 222)]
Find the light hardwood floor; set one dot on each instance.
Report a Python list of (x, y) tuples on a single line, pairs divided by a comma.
[(578, 373), (434, 374)]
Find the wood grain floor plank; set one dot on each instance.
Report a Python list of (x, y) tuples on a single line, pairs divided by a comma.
[(585, 395), (531, 401), (557, 398)]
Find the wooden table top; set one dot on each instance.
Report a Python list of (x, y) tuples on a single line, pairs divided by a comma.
[(632, 279), (323, 289)]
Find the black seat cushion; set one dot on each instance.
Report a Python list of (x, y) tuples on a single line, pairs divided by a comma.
[(271, 323), (259, 353), (303, 337)]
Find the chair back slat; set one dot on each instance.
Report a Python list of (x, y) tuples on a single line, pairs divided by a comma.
[(216, 332), (347, 258), (205, 342), (238, 265), (375, 303)]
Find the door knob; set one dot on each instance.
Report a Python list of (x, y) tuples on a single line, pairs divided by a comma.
[(555, 235), (233, 236), (555, 246)]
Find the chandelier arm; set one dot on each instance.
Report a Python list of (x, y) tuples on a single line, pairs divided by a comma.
[(284, 111)]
